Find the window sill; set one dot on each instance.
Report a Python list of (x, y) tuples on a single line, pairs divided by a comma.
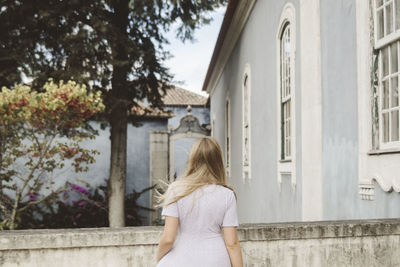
[(285, 161), (377, 152)]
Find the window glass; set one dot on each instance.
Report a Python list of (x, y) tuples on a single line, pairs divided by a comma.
[(285, 66), (389, 18), (393, 58), (395, 126)]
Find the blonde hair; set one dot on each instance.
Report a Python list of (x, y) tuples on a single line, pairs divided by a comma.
[(205, 166)]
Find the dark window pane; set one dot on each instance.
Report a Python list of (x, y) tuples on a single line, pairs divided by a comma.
[(385, 94), (385, 124), (394, 100), (395, 125), (393, 58)]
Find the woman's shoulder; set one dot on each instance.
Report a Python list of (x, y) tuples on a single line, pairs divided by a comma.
[(223, 189)]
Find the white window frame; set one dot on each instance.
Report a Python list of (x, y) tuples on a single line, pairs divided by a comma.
[(376, 163), (228, 146), (246, 169), (380, 44), (288, 165)]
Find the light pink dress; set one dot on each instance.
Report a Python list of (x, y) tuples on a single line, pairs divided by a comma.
[(201, 215)]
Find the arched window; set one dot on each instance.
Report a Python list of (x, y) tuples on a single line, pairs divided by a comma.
[(286, 130), (246, 156), (285, 92), (228, 135)]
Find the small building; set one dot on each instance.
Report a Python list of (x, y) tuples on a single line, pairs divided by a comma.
[(305, 102)]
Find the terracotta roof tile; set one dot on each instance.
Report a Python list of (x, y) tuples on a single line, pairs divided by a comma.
[(181, 97), (144, 111)]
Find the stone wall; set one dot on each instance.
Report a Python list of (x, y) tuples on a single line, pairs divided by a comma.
[(340, 243)]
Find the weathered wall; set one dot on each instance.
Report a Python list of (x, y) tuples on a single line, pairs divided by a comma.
[(346, 243), (257, 46), (340, 121)]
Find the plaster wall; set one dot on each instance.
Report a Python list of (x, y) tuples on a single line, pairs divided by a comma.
[(259, 198), (340, 120)]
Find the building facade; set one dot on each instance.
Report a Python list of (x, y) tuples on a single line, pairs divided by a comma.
[(304, 100), (145, 167)]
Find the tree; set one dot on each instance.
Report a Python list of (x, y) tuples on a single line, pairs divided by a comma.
[(39, 134), (116, 46)]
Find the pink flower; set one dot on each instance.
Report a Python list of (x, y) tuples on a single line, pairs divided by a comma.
[(33, 196)]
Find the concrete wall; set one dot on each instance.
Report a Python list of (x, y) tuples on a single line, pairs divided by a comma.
[(257, 46), (340, 121), (346, 243)]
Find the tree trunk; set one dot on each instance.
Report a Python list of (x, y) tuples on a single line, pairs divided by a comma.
[(119, 115), (117, 181)]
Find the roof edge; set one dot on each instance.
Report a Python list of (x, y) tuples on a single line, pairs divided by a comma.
[(236, 15)]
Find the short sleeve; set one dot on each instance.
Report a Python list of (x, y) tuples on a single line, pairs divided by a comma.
[(171, 209), (230, 217)]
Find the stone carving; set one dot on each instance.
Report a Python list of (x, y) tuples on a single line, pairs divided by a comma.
[(189, 124)]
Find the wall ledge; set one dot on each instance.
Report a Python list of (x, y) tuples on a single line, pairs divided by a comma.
[(149, 235), (319, 230)]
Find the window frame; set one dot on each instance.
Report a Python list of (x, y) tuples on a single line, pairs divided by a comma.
[(380, 44), (228, 147), (285, 100), (287, 166), (246, 169)]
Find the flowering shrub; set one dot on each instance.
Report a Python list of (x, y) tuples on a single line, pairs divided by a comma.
[(32, 127), (80, 206)]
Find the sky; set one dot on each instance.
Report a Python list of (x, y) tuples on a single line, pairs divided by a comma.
[(191, 59)]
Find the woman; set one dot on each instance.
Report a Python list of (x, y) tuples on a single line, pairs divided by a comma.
[(197, 208)]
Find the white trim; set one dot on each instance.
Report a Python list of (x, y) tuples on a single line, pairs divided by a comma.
[(379, 43), (372, 167), (213, 125), (242, 13), (246, 72), (287, 167), (389, 144), (311, 110), (228, 126)]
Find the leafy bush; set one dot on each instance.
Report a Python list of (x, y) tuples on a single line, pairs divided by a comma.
[(40, 132), (80, 207)]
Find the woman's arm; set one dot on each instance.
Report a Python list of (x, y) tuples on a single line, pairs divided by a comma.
[(233, 246), (168, 236)]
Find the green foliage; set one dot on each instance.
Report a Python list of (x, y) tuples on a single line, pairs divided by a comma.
[(114, 44), (39, 133)]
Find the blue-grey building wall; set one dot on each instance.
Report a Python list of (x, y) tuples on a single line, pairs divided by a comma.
[(341, 199), (138, 158), (259, 199)]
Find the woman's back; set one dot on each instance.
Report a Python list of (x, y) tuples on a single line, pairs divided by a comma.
[(201, 215)]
